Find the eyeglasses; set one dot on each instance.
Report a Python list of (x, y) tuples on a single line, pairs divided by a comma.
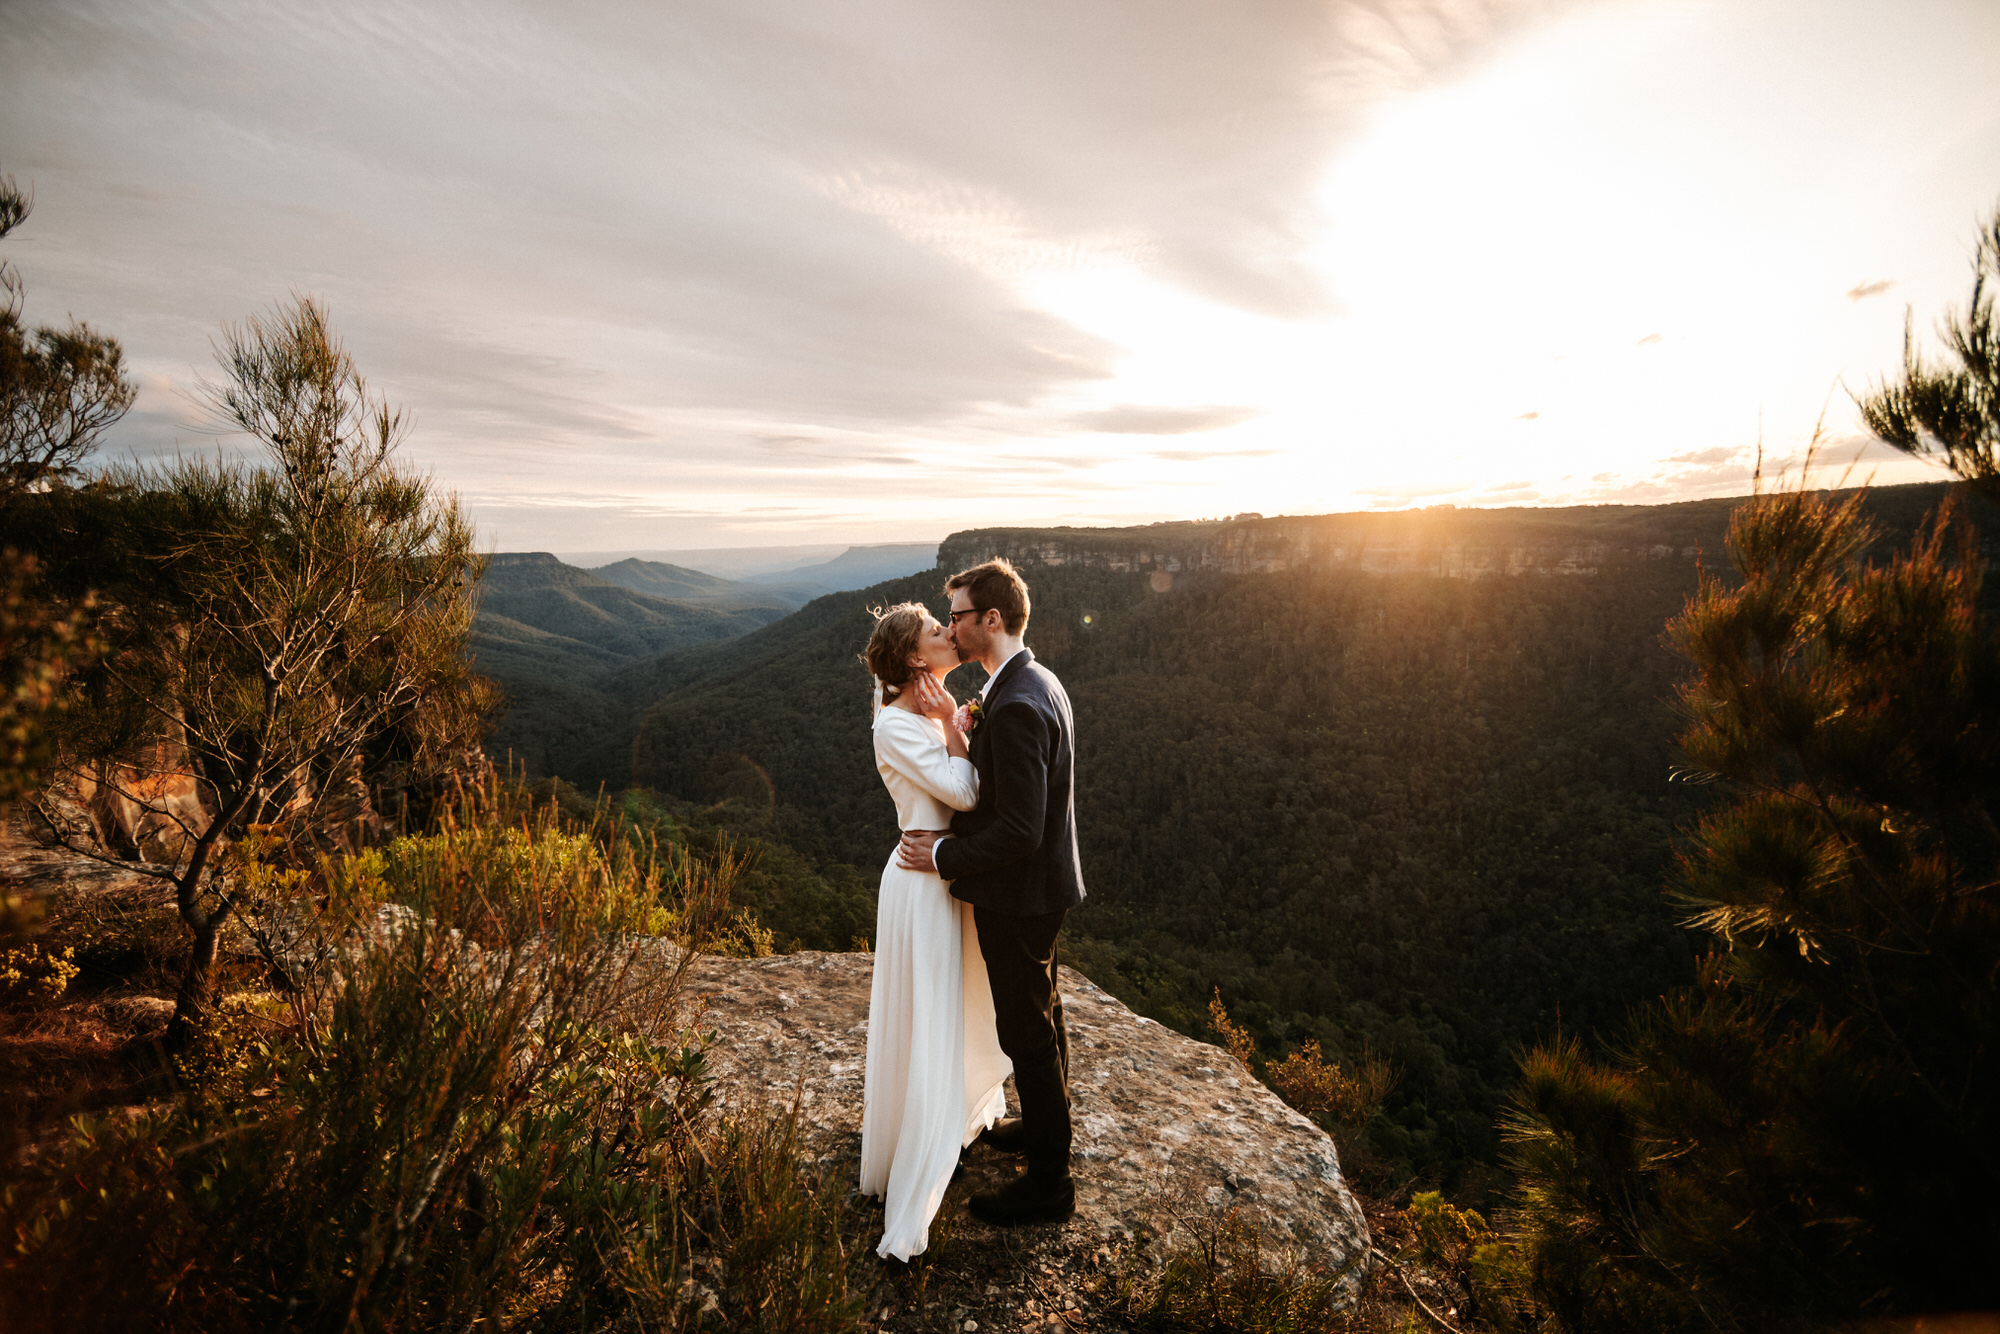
[(967, 611)]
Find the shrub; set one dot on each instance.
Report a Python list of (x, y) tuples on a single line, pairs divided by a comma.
[(30, 971), (1807, 1136), (1220, 1277), (495, 1116), (1341, 1099)]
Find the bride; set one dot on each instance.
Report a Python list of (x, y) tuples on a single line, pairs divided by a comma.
[(935, 1067)]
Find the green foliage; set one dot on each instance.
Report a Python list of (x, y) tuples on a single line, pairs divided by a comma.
[(1342, 1100), (125, 935), (33, 971), (40, 645), (1396, 813), (499, 1121), (1460, 1254), (1336, 1097), (1951, 414), (785, 899), (59, 388), (1414, 814), (285, 636), (1808, 1135)]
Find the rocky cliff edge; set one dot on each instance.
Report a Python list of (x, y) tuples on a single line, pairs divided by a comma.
[(1165, 1125)]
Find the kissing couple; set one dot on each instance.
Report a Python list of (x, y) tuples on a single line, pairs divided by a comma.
[(965, 928)]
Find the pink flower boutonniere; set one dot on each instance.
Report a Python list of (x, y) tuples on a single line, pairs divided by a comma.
[(968, 717)]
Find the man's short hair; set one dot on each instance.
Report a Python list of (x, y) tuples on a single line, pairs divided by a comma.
[(995, 586)]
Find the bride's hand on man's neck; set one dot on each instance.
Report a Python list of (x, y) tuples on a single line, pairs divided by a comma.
[(926, 695)]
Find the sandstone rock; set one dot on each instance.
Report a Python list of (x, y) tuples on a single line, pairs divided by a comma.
[(1158, 1116), (136, 1014), (134, 810), (29, 865)]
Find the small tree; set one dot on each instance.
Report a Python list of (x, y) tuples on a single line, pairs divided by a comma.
[(1952, 413), (289, 632), (1810, 1134), (59, 388)]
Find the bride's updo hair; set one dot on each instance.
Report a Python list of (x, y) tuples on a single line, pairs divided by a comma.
[(897, 631)]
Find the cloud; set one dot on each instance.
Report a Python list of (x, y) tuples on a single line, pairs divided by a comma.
[(1139, 419), (1862, 290), (1648, 340), (1527, 416), (1202, 456), (1844, 460), (1415, 490), (1715, 455), (630, 241), (1057, 462)]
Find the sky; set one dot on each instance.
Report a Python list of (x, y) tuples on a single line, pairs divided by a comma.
[(655, 275)]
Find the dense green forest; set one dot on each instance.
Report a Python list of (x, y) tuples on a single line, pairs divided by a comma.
[(547, 631), (1432, 816)]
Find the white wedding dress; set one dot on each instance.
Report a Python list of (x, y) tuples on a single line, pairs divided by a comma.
[(935, 1067)]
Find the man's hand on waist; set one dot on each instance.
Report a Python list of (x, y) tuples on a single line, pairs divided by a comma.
[(914, 852)]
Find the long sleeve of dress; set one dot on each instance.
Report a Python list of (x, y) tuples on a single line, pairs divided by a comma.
[(909, 745)]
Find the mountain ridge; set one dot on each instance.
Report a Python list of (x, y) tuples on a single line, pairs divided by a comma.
[(681, 584), (857, 567)]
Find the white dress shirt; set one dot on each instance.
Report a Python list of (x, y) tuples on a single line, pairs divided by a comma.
[(1001, 668)]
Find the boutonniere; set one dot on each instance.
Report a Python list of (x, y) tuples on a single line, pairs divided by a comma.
[(969, 716)]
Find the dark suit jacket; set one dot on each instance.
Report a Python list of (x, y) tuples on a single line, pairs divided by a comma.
[(1015, 852)]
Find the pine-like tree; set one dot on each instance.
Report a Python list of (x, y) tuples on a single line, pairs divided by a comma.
[(1951, 413), (1812, 1133), (281, 634)]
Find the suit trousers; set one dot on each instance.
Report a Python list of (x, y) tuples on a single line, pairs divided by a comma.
[(1020, 954)]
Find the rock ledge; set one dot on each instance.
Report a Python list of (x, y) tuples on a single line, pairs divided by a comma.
[(1158, 1116)]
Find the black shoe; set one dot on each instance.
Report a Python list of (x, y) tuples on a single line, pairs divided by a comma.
[(1007, 1135), (1028, 1199)]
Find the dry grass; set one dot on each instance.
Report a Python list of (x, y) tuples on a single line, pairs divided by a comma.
[(94, 1049), (57, 1056), (77, 1054)]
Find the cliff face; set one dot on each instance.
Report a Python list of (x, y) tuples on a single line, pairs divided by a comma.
[(1165, 1126), (1442, 542)]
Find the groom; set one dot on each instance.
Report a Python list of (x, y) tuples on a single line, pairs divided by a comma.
[(1013, 858)]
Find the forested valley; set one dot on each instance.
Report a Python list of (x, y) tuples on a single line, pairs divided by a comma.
[(1423, 816)]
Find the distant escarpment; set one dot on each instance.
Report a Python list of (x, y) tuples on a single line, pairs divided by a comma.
[(1442, 541)]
